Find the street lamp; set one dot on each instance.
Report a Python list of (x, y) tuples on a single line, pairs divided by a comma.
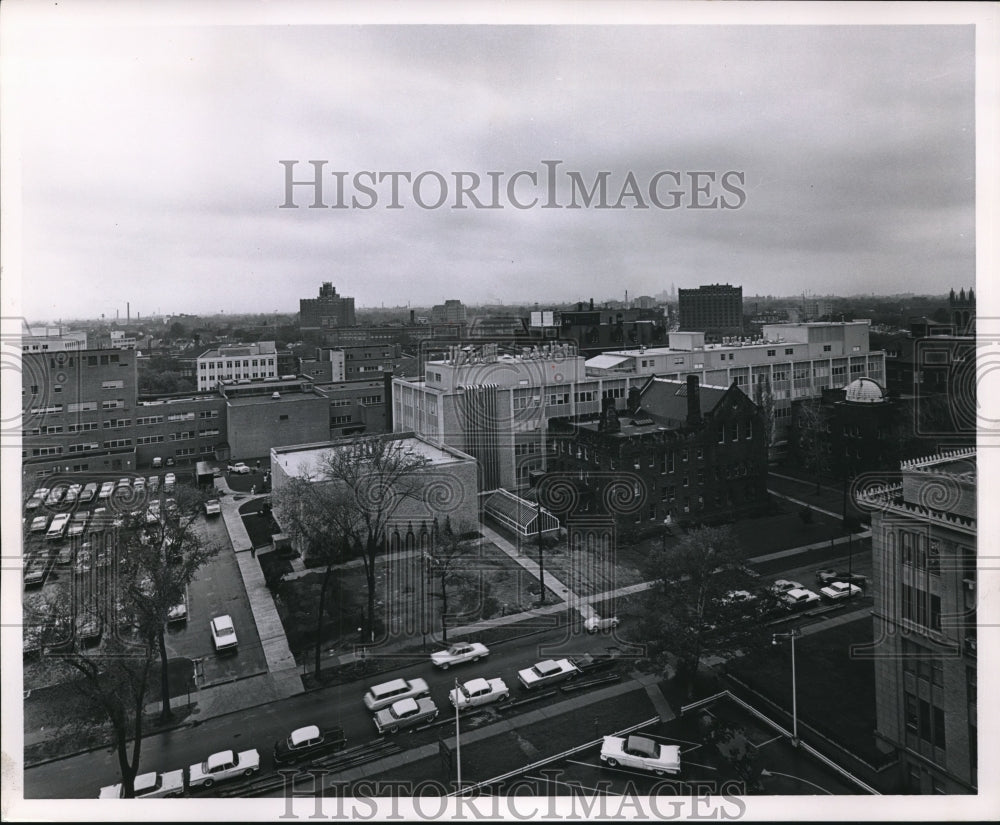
[(775, 638)]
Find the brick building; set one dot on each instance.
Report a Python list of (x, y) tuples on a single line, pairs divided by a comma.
[(327, 310), (924, 549), (716, 309), (237, 362)]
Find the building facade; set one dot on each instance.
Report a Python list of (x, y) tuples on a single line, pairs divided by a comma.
[(327, 310), (715, 309), (238, 362), (924, 548)]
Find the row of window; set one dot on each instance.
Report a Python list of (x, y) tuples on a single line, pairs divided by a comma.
[(244, 364)]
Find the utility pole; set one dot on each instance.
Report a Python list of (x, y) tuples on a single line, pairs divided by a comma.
[(792, 634), (458, 742), (541, 561)]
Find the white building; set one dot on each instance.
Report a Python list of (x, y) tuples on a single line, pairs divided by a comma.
[(240, 362)]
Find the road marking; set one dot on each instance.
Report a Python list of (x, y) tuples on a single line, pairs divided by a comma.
[(699, 765), (768, 742), (606, 791)]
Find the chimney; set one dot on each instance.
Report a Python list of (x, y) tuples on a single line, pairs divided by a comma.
[(387, 399), (694, 402), (413, 315), (591, 303)]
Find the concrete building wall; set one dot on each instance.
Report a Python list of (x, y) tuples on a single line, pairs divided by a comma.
[(256, 424), (185, 429)]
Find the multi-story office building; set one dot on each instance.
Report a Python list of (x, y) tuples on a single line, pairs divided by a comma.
[(924, 552), (716, 309), (77, 406), (451, 311), (496, 407), (358, 406), (790, 361), (183, 428), (327, 310), (238, 362), (595, 330)]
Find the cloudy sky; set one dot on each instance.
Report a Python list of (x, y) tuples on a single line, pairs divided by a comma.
[(149, 162)]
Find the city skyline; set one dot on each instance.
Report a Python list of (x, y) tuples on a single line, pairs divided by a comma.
[(826, 156)]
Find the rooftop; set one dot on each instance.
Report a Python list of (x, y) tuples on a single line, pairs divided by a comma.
[(302, 459)]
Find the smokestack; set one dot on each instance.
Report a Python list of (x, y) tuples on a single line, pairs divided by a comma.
[(128, 313), (591, 303), (694, 402), (413, 317), (387, 399)]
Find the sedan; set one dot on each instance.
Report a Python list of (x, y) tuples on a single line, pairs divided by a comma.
[(213, 507), (239, 468), (459, 653), (55, 495), (223, 633), (34, 502), (599, 624), (825, 577), (179, 612), (548, 672), (840, 590), (307, 743), (478, 692), (405, 714), (107, 488), (800, 598), (381, 696), (89, 493), (39, 524), (223, 765), (784, 585), (150, 786), (641, 752)]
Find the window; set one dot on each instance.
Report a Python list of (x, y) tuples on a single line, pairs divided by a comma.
[(57, 388), (112, 404), (149, 439), (827, 347), (371, 399), (150, 419), (789, 351), (340, 419), (118, 442), (80, 428), (112, 385), (771, 353), (117, 423)]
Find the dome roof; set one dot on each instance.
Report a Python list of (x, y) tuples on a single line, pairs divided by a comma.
[(864, 391)]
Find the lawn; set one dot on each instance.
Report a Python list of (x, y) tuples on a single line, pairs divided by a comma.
[(831, 685)]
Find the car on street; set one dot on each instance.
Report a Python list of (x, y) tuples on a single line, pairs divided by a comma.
[(589, 663), (179, 612), (239, 468), (784, 585), (107, 488), (641, 752), (88, 493), (308, 743), (223, 633), (798, 598), (825, 577), (213, 507), (405, 713), (596, 623), (478, 692), (839, 590), (222, 766), (39, 524), (458, 653), (381, 696), (58, 526), (158, 461), (149, 786), (547, 672)]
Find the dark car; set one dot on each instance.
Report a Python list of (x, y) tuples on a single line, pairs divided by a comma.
[(826, 577), (589, 663), (308, 743)]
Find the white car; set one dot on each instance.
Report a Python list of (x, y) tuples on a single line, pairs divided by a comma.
[(223, 633), (239, 468), (57, 527), (641, 752), (223, 765), (213, 507), (799, 598), (405, 714), (150, 786), (107, 488), (39, 524), (596, 623), (179, 612), (88, 494), (169, 480), (548, 672), (458, 653), (478, 692), (55, 495), (839, 590), (381, 696)]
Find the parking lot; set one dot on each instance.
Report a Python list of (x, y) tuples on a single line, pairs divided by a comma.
[(75, 568)]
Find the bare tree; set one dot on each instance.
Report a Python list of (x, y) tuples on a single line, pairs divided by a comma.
[(810, 424), (447, 557), (307, 513), (365, 480)]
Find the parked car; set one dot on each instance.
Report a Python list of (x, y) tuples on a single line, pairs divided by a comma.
[(153, 512), (589, 663), (39, 524), (35, 571), (58, 526), (107, 488), (55, 495), (169, 480), (65, 555), (158, 461), (405, 713), (782, 586), (222, 766), (223, 633), (548, 672), (150, 786), (597, 623), (34, 502), (800, 598), (738, 597), (179, 612), (83, 562), (641, 752), (72, 493), (381, 696), (459, 653), (213, 507), (88, 494), (78, 523), (239, 468), (839, 590), (478, 692), (153, 483), (825, 577), (308, 743)]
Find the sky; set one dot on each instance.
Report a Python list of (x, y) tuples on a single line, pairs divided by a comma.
[(150, 162)]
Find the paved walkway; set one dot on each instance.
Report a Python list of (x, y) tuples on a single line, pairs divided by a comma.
[(807, 547), (809, 504)]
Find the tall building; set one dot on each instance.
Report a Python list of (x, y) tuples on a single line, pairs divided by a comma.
[(716, 309), (76, 406), (962, 308), (239, 362), (451, 311), (327, 310), (924, 555)]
